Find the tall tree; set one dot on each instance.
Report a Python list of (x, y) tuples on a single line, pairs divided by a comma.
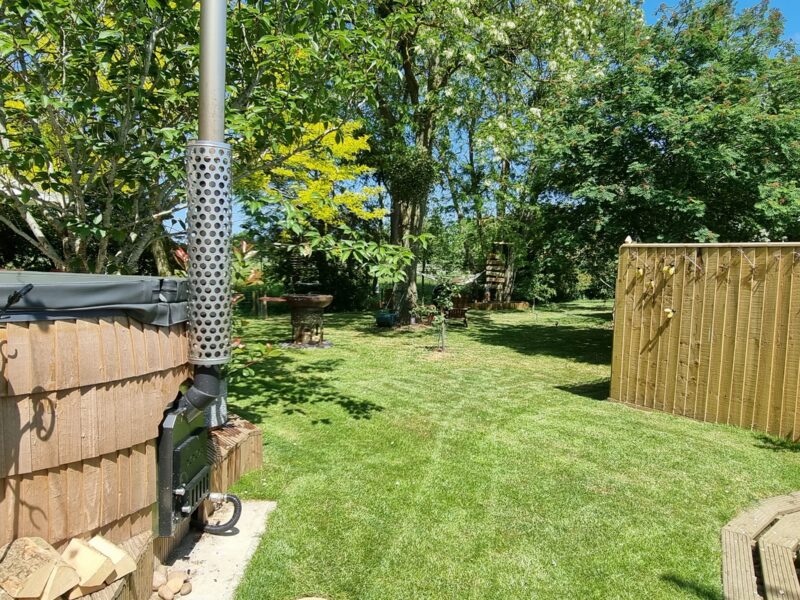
[(460, 64), (98, 100), (686, 130)]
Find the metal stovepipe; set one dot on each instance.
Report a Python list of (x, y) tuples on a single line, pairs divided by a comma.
[(209, 215), (213, 14), (183, 483)]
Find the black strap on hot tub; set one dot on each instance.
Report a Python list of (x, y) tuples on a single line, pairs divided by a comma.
[(15, 297)]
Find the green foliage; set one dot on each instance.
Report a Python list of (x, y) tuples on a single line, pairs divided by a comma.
[(244, 273), (682, 131), (425, 313), (558, 128), (468, 69), (443, 294), (245, 354), (244, 277), (540, 288), (454, 245), (92, 111), (385, 262), (320, 173), (409, 173), (350, 258), (316, 204), (778, 207), (99, 100)]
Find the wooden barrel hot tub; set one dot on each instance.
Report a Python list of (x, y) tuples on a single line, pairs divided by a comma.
[(88, 366)]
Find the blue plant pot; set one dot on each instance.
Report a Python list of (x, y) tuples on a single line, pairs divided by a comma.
[(385, 318)]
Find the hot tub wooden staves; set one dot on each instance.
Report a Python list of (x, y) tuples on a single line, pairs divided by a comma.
[(80, 405)]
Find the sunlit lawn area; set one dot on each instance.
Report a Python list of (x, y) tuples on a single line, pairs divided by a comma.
[(496, 470)]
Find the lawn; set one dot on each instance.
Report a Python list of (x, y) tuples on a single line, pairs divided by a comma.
[(495, 470)]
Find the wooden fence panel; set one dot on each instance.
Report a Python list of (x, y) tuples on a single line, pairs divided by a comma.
[(711, 332), (729, 339), (790, 419), (743, 295)]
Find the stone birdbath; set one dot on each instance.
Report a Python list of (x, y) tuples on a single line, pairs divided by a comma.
[(307, 318)]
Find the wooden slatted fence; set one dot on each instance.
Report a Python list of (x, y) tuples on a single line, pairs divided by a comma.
[(711, 332)]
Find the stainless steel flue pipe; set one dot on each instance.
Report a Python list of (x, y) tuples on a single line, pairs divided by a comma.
[(213, 15), (209, 216)]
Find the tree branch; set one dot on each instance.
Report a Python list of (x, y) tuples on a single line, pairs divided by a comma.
[(40, 244)]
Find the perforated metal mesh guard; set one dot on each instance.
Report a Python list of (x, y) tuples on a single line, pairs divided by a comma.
[(208, 168)]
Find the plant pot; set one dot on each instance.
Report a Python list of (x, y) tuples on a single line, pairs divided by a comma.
[(385, 318)]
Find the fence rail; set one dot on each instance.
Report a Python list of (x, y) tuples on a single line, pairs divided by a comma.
[(711, 332)]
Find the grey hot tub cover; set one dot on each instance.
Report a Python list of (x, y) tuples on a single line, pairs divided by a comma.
[(153, 300)]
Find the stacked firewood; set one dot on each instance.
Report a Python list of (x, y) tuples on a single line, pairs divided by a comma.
[(31, 568)]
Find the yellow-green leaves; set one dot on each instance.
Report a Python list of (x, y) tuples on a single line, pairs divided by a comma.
[(320, 173)]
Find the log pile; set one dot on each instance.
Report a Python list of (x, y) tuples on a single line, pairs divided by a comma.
[(31, 568)]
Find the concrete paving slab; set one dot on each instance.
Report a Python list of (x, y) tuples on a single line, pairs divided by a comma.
[(216, 563)]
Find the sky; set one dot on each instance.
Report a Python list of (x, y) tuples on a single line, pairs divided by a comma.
[(789, 8)]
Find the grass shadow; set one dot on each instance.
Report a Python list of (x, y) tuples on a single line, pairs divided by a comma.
[(295, 388), (387, 331), (605, 316), (776, 444), (602, 314), (363, 323), (401, 331), (698, 590), (594, 390), (583, 344)]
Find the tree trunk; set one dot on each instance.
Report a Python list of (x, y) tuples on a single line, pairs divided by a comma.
[(408, 218), (159, 253), (405, 292)]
